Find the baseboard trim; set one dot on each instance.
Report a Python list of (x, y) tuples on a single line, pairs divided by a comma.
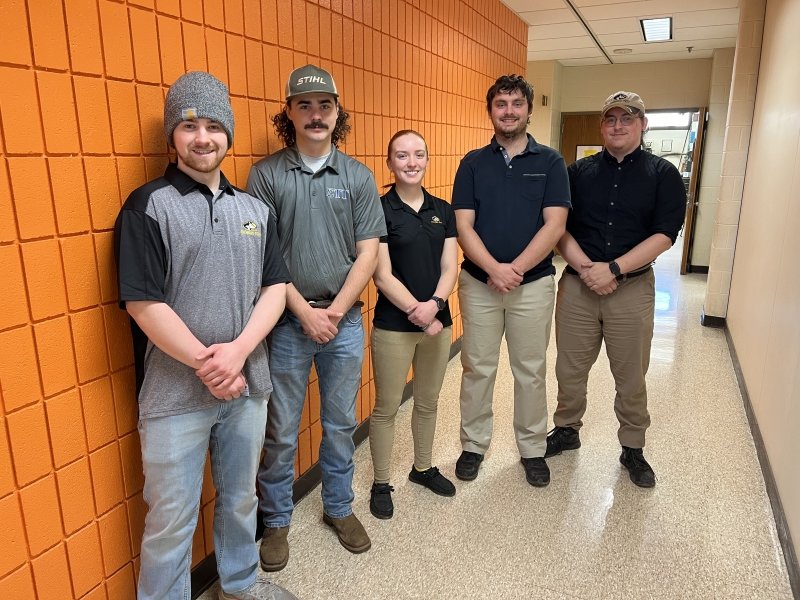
[(205, 573), (781, 524)]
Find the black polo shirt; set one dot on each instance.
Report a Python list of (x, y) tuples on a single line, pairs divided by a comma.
[(615, 206), (508, 199), (416, 242)]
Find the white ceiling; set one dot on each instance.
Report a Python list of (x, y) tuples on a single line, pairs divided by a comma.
[(586, 32)]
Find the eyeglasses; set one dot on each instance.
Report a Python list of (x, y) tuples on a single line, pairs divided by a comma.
[(624, 120)]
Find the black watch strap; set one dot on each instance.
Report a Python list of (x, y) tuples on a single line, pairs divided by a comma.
[(440, 304), (614, 268)]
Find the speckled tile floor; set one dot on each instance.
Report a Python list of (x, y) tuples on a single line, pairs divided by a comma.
[(705, 531)]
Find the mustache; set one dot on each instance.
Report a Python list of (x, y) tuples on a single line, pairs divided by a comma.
[(316, 125)]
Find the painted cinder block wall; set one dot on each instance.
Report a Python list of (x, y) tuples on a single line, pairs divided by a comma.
[(82, 84)]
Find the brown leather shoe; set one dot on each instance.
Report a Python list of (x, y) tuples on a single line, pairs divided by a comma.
[(274, 548), (351, 532)]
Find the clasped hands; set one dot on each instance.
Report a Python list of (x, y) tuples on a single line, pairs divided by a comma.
[(423, 315), (598, 277), (221, 370)]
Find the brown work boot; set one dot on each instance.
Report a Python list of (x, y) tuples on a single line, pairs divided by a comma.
[(350, 531), (274, 548)]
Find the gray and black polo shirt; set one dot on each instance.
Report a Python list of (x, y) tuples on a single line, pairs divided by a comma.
[(320, 215), (207, 258)]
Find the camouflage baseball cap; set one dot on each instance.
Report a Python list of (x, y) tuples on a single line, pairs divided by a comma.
[(629, 101)]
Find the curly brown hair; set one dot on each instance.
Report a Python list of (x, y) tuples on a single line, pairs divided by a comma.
[(284, 128)]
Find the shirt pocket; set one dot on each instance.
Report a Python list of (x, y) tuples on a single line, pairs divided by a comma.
[(533, 185)]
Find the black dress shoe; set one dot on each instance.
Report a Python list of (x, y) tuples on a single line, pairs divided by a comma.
[(536, 471), (468, 464)]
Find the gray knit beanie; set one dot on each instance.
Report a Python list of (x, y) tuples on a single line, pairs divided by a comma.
[(198, 95)]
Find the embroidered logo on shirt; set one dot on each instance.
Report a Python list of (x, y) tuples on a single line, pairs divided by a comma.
[(436, 220), (250, 228), (335, 193)]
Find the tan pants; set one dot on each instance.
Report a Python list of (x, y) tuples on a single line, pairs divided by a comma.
[(624, 320), (393, 352), (524, 315)]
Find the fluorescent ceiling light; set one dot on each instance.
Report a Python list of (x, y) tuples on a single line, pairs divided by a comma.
[(657, 30)]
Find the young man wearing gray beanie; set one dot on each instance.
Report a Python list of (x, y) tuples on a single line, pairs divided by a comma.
[(201, 275)]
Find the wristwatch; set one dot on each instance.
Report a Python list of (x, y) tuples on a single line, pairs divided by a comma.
[(440, 304), (615, 268)]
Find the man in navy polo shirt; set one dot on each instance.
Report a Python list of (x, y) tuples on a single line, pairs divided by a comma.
[(511, 200), (628, 209)]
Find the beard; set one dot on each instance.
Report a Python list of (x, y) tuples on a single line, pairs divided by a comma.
[(511, 130), (205, 163)]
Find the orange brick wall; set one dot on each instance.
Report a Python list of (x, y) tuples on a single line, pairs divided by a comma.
[(81, 91)]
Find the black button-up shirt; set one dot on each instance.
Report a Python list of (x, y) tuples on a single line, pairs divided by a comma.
[(416, 242), (615, 206)]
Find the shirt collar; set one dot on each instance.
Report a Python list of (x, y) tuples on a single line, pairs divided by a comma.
[(532, 146), (629, 158), (185, 184), (293, 160), (397, 203)]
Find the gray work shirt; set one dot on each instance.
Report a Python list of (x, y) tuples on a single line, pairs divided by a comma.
[(207, 258), (320, 215)]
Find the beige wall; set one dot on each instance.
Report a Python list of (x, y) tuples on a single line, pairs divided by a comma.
[(765, 290), (667, 84), (545, 125), (708, 195)]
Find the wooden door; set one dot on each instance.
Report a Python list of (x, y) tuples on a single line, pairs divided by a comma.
[(579, 130), (692, 190)]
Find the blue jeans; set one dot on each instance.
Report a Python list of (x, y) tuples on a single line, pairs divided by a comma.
[(174, 451), (338, 365)]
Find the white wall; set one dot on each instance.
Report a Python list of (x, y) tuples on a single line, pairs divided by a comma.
[(708, 195), (764, 299), (545, 125), (667, 84)]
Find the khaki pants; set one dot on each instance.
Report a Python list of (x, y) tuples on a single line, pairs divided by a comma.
[(624, 320), (393, 352), (524, 315)]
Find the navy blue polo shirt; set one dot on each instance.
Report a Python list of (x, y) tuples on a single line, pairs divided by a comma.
[(508, 199), (615, 206), (416, 242)]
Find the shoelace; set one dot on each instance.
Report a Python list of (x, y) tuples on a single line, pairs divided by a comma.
[(383, 489)]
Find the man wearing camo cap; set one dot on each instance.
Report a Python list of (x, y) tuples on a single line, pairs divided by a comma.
[(627, 208)]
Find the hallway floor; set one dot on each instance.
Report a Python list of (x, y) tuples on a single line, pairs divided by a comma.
[(705, 531)]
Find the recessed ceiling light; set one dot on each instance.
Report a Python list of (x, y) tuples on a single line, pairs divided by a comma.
[(622, 50), (657, 30)]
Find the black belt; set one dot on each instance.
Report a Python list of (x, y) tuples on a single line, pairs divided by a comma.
[(325, 303), (622, 277)]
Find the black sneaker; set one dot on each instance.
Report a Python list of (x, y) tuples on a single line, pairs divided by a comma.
[(433, 480), (536, 471), (380, 501), (467, 465), (560, 439), (639, 469)]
